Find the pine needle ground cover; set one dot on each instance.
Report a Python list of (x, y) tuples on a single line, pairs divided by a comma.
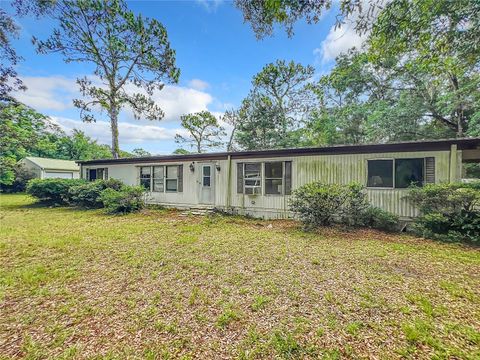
[(82, 284)]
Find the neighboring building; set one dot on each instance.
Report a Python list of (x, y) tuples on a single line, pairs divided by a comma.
[(259, 183), (45, 168)]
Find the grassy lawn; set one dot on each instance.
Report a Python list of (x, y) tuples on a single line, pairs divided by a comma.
[(81, 284)]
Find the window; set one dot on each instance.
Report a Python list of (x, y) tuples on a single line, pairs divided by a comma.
[(274, 178), (206, 173), (400, 173), (277, 178), (252, 178), (380, 173), (98, 174), (145, 177), (158, 175), (409, 172), (162, 178), (171, 178)]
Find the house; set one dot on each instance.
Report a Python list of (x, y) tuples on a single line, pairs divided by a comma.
[(260, 183), (45, 168)]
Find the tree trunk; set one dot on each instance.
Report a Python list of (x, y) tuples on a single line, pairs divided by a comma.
[(114, 128), (459, 106)]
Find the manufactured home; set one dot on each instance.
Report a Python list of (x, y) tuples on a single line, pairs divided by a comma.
[(260, 183), (45, 168)]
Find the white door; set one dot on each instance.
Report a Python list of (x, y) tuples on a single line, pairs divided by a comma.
[(58, 175), (206, 183)]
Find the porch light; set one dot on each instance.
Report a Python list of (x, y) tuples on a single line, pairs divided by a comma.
[(217, 166), (191, 167)]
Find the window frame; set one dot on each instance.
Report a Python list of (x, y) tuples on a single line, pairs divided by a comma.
[(104, 173), (422, 183), (152, 189), (165, 174), (393, 175), (282, 178), (209, 176), (164, 178), (260, 179), (394, 185), (150, 178)]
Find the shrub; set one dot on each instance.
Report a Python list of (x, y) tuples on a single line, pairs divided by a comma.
[(380, 219), (316, 203), (22, 177), (123, 201), (356, 203), (319, 204), (88, 195), (448, 212), (52, 190)]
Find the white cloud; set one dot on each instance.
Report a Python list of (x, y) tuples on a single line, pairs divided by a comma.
[(198, 84), (56, 93), (48, 93), (177, 100), (338, 41), (210, 5), (128, 132)]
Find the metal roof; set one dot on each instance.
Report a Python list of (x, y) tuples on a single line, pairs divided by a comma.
[(54, 164), (423, 145)]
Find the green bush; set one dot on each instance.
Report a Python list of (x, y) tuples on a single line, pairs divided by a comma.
[(448, 212), (52, 190), (377, 218), (88, 195), (356, 203), (123, 201), (318, 204)]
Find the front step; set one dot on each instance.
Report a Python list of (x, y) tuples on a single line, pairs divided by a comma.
[(197, 211)]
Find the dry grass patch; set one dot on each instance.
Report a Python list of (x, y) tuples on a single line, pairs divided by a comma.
[(80, 284)]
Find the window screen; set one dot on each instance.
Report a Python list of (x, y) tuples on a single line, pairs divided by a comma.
[(171, 178), (145, 176), (206, 175), (380, 173), (158, 175), (100, 174), (252, 178), (409, 172), (274, 178)]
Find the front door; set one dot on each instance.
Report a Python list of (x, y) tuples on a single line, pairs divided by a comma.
[(206, 183)]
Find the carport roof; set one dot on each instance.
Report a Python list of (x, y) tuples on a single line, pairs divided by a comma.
[(54, 164)]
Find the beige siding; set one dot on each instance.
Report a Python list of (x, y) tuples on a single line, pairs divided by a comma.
[(340, 169)]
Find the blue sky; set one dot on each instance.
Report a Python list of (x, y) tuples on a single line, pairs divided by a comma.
[(217, 54)]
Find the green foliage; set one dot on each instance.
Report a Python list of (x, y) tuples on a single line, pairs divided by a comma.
[(89, 195), (264, 16), (318, 204), (433, 44), (52, 190), (125, 49), (9, 80), (79, 146), (22, 177), (275, 108), (204, 131), (377, 218), (24, 132), (449, 212), (126, 200)]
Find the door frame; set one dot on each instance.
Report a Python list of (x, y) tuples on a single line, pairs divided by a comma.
[(201, 181)]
